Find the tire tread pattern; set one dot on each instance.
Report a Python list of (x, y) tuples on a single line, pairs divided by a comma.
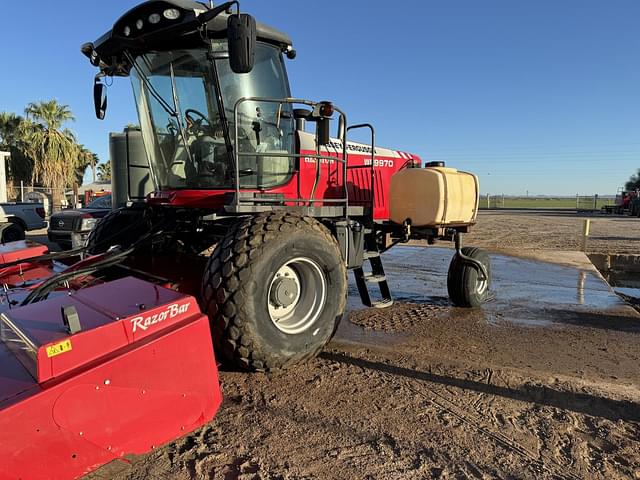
[(228, 284)]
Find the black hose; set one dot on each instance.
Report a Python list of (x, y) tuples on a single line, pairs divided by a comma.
[(68, 253), (43, 290), (110, 260)]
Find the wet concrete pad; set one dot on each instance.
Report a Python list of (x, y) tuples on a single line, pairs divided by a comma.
[(523, 291)]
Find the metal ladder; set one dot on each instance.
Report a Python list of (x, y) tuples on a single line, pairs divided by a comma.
[(376, 275)]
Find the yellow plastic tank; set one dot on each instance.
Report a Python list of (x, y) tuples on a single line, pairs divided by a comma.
[(434, 197)]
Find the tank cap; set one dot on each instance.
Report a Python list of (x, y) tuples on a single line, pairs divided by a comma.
[(433, 164)]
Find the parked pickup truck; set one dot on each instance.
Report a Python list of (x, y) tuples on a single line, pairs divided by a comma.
[(70, 228), (17, 218)]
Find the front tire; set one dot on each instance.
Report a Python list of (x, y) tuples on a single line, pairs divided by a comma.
[(464, 285), (275, 291)]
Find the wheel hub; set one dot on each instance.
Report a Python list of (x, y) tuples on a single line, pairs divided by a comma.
[(284, 291), (297, 295)]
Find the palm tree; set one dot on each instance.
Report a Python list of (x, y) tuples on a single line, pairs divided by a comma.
[(19, 166), (9, 123), (87, 159), (104, 172), (54, 150)]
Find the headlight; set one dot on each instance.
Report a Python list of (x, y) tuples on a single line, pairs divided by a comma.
[(88, 224), (139, 24), (171, 14), (126, 31), (154, 18)]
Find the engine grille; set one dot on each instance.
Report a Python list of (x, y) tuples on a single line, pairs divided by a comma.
[(62, 223)]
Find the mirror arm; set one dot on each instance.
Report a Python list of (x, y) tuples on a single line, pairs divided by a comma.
[(214, 12)]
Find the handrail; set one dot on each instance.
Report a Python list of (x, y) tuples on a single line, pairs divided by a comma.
[(373, 159), (316, 157)]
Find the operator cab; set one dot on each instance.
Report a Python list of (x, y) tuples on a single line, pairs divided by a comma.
[(188, 148), (196, 73)]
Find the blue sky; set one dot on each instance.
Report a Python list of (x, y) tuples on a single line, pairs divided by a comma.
[(540, 96)]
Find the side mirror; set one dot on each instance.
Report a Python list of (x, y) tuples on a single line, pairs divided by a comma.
[(100, 98), (241, 32)]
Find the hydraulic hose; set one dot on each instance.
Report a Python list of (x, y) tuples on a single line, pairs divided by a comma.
[(110, 260), (70, 253)]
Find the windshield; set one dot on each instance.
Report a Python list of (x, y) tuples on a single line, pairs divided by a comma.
[(101, 202), (181, 122)]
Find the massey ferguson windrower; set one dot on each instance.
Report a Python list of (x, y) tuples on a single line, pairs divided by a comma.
[(255, 214)]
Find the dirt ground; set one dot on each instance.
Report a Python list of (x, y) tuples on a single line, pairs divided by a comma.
[(426, 390), (500, 230)]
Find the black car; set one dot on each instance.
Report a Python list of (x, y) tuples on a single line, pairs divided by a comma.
[(70, 228)]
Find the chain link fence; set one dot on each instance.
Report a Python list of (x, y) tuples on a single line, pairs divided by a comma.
[(577, 202), (52, 199)]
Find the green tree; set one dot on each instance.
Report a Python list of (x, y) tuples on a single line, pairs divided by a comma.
[(9, 123), (53, 148), (86, 159), (104, 172), (19, 166), (634, 182)]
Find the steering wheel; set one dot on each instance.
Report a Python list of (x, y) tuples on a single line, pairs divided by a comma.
[(202, 116), (192, 121)]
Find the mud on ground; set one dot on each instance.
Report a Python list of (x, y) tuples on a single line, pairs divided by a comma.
[(425, 390)]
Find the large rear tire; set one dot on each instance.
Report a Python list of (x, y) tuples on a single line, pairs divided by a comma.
[(464, 285), (275, 291)]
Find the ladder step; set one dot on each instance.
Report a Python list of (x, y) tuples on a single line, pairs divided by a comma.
[(370, 277), (386, 303)]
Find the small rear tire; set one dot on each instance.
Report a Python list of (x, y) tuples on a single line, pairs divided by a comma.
[(465, 287), (275, 291)]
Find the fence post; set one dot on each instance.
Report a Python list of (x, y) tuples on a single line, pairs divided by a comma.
[(595, 202), (577, 202), (488, 201), (585, 233), (21, 191)]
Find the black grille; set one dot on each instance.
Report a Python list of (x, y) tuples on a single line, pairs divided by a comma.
[(62, 223)]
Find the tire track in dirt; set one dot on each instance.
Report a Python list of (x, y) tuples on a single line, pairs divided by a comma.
[(498, 437)]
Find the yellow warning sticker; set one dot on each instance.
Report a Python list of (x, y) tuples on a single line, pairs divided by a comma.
[(58, 348)]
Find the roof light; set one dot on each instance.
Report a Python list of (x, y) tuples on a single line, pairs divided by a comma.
[(326, 109), (154, 18), (139, 24), (126, 31), (171, 14)]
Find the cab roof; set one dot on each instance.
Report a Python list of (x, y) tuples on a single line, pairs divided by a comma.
[(134, 33)]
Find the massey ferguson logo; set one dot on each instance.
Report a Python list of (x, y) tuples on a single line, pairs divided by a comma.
[(171, 311)]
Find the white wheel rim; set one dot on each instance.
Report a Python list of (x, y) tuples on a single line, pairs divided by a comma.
[(481, 286), (297, 295)]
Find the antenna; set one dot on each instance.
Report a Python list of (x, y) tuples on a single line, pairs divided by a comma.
[(210, 3)]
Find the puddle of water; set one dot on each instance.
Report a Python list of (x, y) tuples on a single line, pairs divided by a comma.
[(622, 272), (629, 292), (526, 292)]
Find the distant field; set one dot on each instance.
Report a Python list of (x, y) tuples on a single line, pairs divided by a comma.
[(581, 203)]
